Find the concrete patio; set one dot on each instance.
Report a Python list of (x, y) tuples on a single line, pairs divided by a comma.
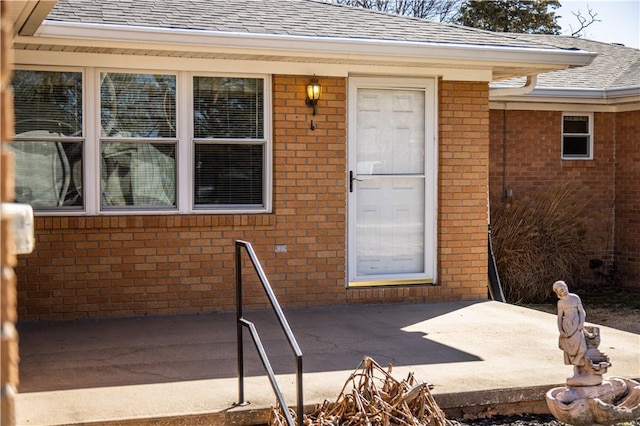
[(182, 369)]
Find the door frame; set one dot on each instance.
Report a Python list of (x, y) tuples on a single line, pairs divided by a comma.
[(429, 85)]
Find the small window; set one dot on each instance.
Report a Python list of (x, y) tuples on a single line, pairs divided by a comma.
[(229, 145), (577, 140), (49, 143)]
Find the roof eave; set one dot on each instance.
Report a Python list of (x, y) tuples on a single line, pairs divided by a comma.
[(26, 16), (534, 58), (619, 95)]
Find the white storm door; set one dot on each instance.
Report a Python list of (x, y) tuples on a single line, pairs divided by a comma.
[(391, 182)]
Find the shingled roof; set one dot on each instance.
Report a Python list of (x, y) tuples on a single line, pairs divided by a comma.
[(309, 18), (309, 35), (615, 67)]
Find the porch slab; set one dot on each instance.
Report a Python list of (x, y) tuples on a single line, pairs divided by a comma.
[(183, 369)]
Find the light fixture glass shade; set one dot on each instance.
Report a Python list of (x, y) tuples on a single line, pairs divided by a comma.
[(313, 90)]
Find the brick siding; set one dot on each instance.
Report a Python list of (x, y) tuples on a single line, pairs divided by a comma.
[(463, 185), (627, 223), (525, 156), (109, 266)]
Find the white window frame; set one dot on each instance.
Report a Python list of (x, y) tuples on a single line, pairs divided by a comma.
[(85, 138), (96, 154), (589, 135), (185, 150), (266, 142)]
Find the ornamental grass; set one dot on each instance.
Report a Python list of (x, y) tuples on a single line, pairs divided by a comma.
[(539, 239)]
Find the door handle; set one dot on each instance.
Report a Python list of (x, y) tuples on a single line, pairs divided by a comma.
[(351, 179)]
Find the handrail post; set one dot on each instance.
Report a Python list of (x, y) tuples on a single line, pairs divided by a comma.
[(240, 348), (299, 393)]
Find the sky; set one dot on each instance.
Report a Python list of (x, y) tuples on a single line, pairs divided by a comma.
[(620, 20)]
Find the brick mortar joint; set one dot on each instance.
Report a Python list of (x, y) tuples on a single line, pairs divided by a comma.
[(149, 223)]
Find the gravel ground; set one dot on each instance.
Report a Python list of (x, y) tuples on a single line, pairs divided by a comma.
[(521, 420), (524, 420)]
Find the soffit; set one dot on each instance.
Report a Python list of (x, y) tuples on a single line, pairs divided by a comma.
[(26, 16), (498, 72)]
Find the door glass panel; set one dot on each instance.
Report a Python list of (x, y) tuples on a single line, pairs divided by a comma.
[(390, 133), (390, 226)]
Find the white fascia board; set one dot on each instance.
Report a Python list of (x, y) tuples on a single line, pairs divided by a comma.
[(594, 93), (314, 46), (623, 92), (557, 105), (580, 96)]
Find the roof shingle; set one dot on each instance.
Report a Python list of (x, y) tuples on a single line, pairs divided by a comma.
[(312, 18), (616, 66)]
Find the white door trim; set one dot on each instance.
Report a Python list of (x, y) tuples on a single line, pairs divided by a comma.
[(431, 180)]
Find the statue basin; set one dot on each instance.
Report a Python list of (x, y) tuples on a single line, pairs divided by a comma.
[(613, 401)]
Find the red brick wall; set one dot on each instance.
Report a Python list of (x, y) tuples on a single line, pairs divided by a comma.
[(462, 203), (627, 241), (108, 266), (525, 156), (309, 193)]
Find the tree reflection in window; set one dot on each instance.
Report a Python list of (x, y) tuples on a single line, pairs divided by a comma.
[(137, 112), (48, 149), (228, 108), (138, 174), (138, 105)]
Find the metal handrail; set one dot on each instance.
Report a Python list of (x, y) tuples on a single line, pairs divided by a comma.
[(242, 322)]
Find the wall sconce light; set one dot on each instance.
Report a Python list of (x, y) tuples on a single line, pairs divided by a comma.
[(313, 94)]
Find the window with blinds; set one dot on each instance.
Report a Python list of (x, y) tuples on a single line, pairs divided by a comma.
[(229, 142), (576, 136), (136, 149), (49, 140), (138, 141)]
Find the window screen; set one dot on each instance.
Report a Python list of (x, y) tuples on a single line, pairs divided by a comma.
[(48, 149), (576, 138), (229, 149), (138, 168)]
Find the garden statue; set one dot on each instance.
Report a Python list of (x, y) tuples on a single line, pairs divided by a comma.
[(574, 337), (588, 399)]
